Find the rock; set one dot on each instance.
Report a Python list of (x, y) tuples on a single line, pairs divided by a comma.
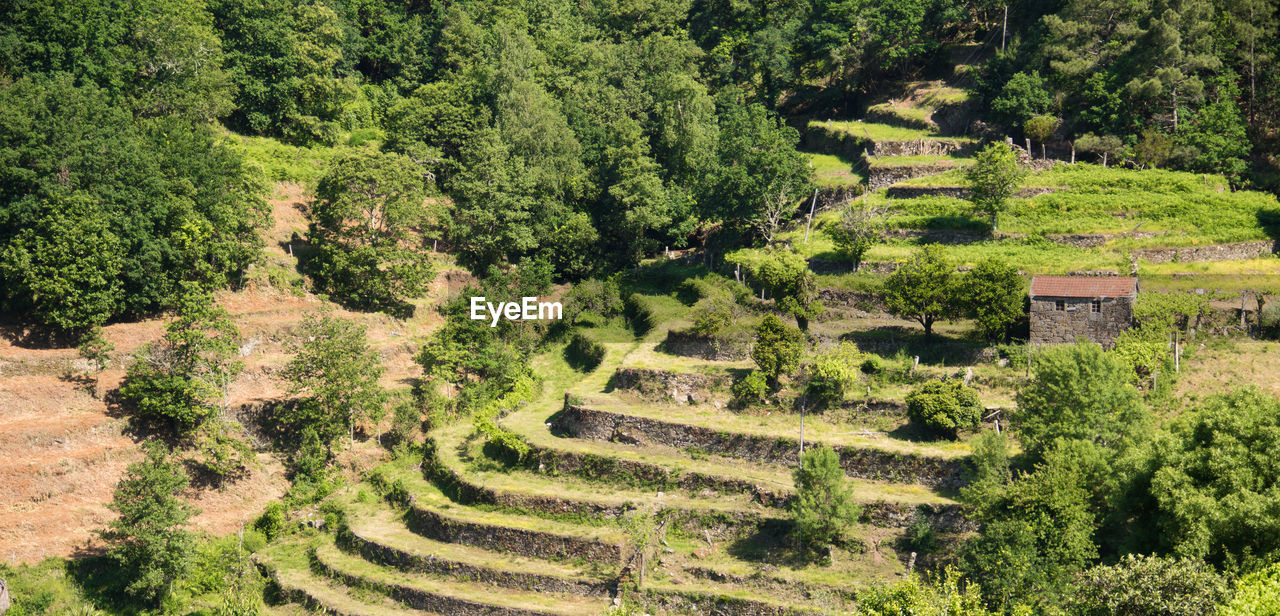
[(4, 597), (701, 553)]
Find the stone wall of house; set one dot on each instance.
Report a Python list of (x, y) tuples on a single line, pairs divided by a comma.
[(1052, 326)]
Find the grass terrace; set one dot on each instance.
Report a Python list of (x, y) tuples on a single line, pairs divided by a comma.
[(880, 132)]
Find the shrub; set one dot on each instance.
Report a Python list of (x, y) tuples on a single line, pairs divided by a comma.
[(751, 389), (1150, 586), (583, 352), (944, 407), (406, 423), (1269, 319), (778, 347), (872, 364), (833, 374), (823, 505), (711, 316), (1256, 593), (500, 444), (592, 297), (639, 315), (272, 521)]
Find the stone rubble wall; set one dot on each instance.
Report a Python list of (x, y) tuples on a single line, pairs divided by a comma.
[(420, 599), (404, 560), (688, 344), (880, 177), (657, 385), (693, 602), (1213, 252), (957, 192), (519, 541), (861, 463)]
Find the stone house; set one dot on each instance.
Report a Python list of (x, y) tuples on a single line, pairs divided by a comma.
[(1067, 308)]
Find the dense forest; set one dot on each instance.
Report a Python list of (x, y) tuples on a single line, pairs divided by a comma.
[(583, 135), (549, 142)]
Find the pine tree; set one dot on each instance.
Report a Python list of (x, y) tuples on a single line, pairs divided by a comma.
[(148, 541), (823, 506)]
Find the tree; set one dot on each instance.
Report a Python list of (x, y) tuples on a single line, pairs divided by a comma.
[(96, 351), (823, 506), (1255, 594), (1078, 392), (1023, 97), (1215, 480), (65, 267), (1106, 146), (761, 175), (1218, 139), (1154, 149), (337, 373), (833, 374), (858, 229), (778, 348), (1149, 586), (1035, 533), (923, 288), (786, 277), (365, 229), (148, 541), (993, 295), (1040, 128), (185, 378), (945, 407), (993, 180)]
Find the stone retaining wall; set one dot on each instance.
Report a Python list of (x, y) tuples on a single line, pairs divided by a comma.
[(1214, 252), (420, 599), (862, 463), (832, 197), (301, 596), (1093, 240), (879, 176), (688, 344), (957, 192), (404, 560), (693, 602), (825, 266), (510, 540), (665, 385)]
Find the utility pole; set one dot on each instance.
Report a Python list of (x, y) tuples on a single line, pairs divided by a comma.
[(809, 224), (1004, 27)]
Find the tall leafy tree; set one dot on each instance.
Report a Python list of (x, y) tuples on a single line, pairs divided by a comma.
[(923, 288), (184, 379), (65, 267), (993, 293), (336, 374), (993, 180), (761, 175), (366, 229), (1079, 392), (778, 348), (149, 541)]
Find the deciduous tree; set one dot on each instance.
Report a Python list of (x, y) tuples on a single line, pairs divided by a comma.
[(993, 180), (823, 506), (336, 373), (923, 288)]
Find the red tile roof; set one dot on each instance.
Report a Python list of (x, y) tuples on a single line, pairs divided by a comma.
[(1083, 286)]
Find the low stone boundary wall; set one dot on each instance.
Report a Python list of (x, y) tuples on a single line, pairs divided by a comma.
[(881, 176), (404, 560), (301, 596), (688, 344), (862, 463), (1213, 252), (958, 192), (654, 384)]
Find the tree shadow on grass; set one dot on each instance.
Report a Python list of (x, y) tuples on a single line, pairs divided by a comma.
[(941, 349), (772, 543)]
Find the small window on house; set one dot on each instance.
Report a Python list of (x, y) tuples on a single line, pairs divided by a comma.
[(1060, 305), (1096, 306)]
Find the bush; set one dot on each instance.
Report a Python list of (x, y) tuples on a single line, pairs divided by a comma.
[(833, 374), (583, 352), (751, 389), (592, 297), (1269, 319), (272, 521), (501, 445), (1150, 586), (873, 364), (639, 315), (944, 407), (778, 348), (711, 316)]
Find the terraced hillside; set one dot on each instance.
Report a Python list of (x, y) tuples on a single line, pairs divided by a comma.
[(624, 451)]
